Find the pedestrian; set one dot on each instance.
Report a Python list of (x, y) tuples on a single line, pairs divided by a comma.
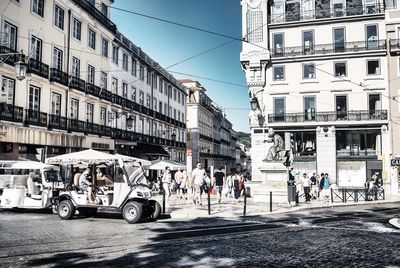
[(306, 183), (166, 182), (314, 186), (219, 182), (325, 186), (198, 181), (178, 180), (185, 184), (236, 187), (229, 186)]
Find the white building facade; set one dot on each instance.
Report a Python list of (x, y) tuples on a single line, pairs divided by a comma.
[(319, 70), (87, 86)]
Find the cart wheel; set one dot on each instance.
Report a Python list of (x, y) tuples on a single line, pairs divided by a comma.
[(132, 212), (156, 209), (66, 210)]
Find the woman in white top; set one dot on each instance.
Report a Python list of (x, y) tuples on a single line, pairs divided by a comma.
[(166, 182)]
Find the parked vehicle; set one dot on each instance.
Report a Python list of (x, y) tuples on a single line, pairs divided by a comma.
[(126, 190), (29, 184)]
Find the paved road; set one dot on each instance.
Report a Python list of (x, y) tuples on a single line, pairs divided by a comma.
[(350, 236)]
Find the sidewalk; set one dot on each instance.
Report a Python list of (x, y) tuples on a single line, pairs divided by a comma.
[(185, 209)]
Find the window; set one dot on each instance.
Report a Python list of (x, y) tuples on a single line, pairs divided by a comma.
[(309, 108), (124, 90), (338, 6), (308, 42), (125, 61), (279, 109), (141, 97), (179, 115), (55, 104), (134, 67), (308, 71), (155, 104), (161, 83), (76, 31), (175, 94), (374, 103), (36, 48), (115, 54), (341, 107), (183, 117), (373, 67), (10, 35), (279, 73), (165, 88), (278, 44), (7, 90), (74, 109), (154, 81), (371, 34), (255, 26), (92, 39), (179, 97), (114, 85), (104, 47), (76, 67), (91, 72), (59, 17), (170, 91), (148, 100), (339, 39), (89, 113), (103, 117), (37, 7), (148, 76), (174, 113), (165, 109), (160, 104), (104, 9), (370, 6), (57, 59), (278, 11), (34, 98), (103, 80), (340, 69), (133, 97), (141, 73)]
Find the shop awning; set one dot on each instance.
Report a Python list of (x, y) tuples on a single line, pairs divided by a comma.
[(150, 149)]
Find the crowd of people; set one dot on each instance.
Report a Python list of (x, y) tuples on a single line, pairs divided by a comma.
[(200, 182)]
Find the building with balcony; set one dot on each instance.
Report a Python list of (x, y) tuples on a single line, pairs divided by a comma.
[(209, 131), (319, 70), (87, 86)]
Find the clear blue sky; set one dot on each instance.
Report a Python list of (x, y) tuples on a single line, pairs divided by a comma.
[(168, 44)]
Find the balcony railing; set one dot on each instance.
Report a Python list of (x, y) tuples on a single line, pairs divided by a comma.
[(11, 113), (92, 90), (329, 13), (328, 116), (76, 125), (104, 131), (394, 45), (333, 48), (58, 76), (95, 13), (35, 118), (57, 121), (105, 95), (77, 83), (92, 128), (116, 99), (8, 59), (38, 68)]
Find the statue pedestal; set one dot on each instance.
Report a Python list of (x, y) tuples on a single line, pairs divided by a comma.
[(274, 179)]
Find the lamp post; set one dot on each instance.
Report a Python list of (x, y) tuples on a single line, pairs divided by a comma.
[(129, 122), (20, 65), (173, 138)]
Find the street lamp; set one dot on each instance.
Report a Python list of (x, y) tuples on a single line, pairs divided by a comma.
[(129, 122), (254, 103), (20, 67), (173, 136)]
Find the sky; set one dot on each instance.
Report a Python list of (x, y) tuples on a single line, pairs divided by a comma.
[(168, 44)]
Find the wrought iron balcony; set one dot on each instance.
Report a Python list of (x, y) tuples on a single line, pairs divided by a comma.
[(58, 76), (95, 13), (105, 95), (8, 59), (328, 116), (116, 99), (394, 45), (38, 68), (77, 83), (104, 131), (76, 125), (57, 122), (293, 14), (92, 128), (92, 90), (9, 112), (35, 118), (360, 46)]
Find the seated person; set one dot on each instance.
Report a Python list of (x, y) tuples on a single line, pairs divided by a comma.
[(86, 185), (34, 184)]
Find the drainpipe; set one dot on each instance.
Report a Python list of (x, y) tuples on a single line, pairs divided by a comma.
[(68, 52)]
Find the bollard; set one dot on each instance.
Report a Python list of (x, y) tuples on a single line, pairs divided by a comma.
[(332, 195), (245, 204), (383, 194), (356, 195), (270, 201), (209, 203), (163, 201)]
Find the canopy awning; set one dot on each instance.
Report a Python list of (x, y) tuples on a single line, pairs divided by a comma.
[(150, 149), (162, 164)]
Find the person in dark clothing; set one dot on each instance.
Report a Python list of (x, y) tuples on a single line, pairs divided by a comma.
[(219, 182)]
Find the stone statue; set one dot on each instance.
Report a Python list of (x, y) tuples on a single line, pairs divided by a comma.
[(277, 149)]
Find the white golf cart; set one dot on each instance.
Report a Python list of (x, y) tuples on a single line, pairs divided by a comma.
[(29, 184), (125, 190)]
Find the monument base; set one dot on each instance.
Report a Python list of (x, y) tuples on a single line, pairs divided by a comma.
[(274, 179)]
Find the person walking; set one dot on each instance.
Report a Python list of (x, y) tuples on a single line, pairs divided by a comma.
[(178, 180), (306, 183), (236, 187), (314, 186), (219, 182), (166, 182), (198, 181), (325, 185)]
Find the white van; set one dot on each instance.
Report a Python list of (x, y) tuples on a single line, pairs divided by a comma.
[(29, 184)]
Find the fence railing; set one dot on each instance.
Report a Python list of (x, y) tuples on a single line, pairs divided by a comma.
[(356, 194)]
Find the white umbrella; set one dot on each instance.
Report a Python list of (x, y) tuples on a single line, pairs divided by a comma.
[(26, 165), (162, 164), (127, 158), (89, 156)]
